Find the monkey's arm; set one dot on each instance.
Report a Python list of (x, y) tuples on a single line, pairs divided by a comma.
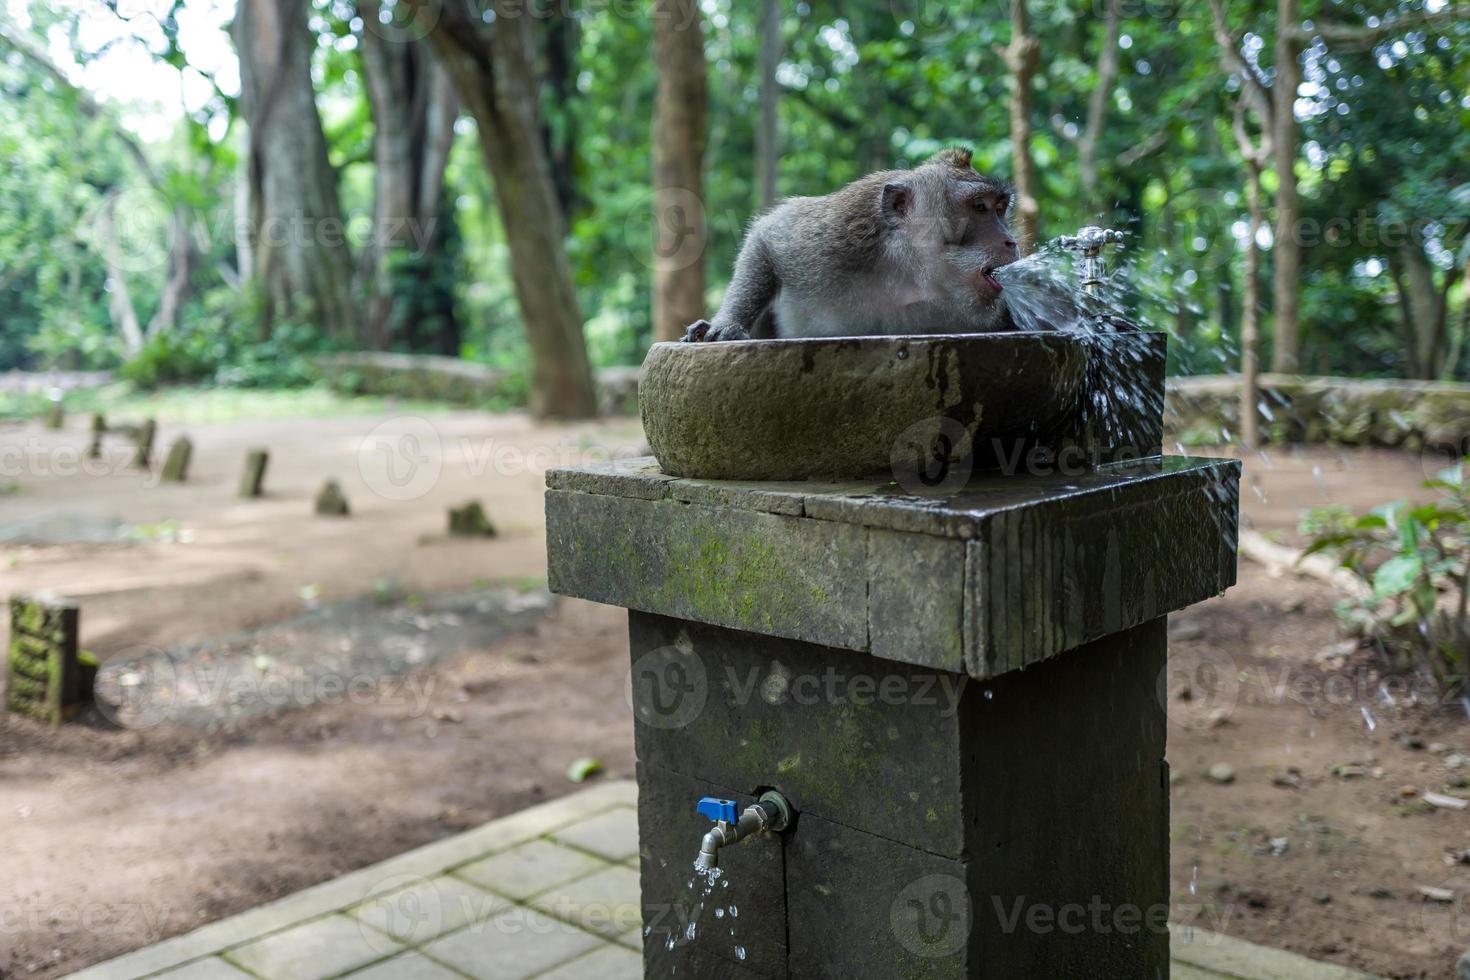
[(752, 289)]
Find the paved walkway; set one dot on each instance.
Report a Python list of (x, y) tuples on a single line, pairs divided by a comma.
[(550, 893)]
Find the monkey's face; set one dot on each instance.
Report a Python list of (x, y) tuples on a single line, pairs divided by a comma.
[(980, 242), (966, 240), (951, 222)]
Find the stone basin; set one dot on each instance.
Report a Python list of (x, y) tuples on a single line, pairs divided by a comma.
[(832, 408)]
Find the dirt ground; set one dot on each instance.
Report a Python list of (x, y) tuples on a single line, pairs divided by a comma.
[(118, 838)]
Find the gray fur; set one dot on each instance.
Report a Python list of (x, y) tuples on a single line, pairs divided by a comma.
[(895, 252)]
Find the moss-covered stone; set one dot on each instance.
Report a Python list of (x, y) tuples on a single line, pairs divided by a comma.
[(331, 501), (46, 677), (252, 481), (176, 463), (143, 444), (1407, 414), (836, 408), (470, 521)]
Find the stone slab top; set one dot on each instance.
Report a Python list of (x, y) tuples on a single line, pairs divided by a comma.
[(883, 503), (1000, 573)]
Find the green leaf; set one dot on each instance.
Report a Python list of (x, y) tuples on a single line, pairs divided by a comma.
[(1397, 575), (581, 769)]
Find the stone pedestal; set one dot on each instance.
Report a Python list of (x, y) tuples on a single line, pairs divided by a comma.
[(960, 695)]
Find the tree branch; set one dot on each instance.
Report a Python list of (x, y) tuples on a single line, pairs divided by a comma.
[(88, 105), (1365, 36)]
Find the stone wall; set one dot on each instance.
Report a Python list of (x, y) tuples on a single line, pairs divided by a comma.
[(1295, 408), (436, 378), (425, 376)]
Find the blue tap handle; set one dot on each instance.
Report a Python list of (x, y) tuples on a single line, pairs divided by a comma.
[(717, 809)]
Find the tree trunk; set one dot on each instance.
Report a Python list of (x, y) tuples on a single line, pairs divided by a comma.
[(414, 108), (681, 110), (493, 69), (1250, 316), (1424, 310), (298, 242), (560, 134), (1287, 255), (1022, 57), (119, 298), (766, 134), (1097, 104), (180, 273)]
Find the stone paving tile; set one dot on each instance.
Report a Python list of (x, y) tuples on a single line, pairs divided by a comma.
[(606, 901), (409, 966), (514, 945), (607, 963), (213, 968), (529, 869), (313, 950), (613, 834), (412, 910), (338, 893)]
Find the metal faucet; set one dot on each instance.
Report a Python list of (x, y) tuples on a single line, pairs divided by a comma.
[(770, 812), (1089, 242)]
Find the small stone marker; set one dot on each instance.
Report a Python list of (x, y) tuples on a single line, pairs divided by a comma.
[(252, 484), (470, 521), (99, 429), (144, 442), (176, 465), (331, 501), (46, 676)]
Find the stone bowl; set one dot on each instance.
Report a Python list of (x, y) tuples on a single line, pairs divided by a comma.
[(835, 408)]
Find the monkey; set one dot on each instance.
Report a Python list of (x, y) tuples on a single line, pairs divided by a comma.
[(895, 252)]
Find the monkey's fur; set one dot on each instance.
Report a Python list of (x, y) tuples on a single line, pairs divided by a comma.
[(895, 252)]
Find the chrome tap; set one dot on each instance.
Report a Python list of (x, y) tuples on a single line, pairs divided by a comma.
[(1089, 243), (770, 812)]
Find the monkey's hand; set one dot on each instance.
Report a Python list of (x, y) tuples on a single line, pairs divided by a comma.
[(702, 331)]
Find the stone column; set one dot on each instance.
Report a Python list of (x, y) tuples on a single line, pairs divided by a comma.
[(46, 675), (959, 694), (252, 481)]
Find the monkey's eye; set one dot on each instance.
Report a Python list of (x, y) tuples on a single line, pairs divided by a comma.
[(981, 205)]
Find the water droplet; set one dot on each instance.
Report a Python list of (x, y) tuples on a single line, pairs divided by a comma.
[(719, 913), (740, 952), (1194, 880), (1368, 717)]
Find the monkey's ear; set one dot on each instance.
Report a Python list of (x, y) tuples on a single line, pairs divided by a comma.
[(897, 198), (955, 156)]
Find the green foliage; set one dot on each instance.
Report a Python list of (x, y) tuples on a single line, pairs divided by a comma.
[(219, 344), (1412, 561), (1386, 130)]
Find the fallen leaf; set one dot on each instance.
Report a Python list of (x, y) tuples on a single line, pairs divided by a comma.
[(581, 769)]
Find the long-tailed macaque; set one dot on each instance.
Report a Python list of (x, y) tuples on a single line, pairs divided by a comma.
[(895, 252)]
